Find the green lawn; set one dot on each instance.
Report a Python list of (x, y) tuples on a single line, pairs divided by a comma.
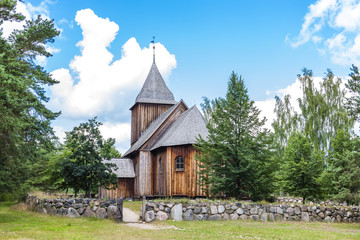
[(17, 223)]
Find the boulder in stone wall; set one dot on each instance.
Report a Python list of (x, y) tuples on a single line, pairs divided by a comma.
[(305, 217), (271, 217), (234, 207), (149, 216), (278, 217), (260, 211), (112, 212), (246, 211), (221, 209), (254, 217), (176, 212), (52, 211), (264, 217), (215, 217), (197, 210), (244, 217), (59, 205), (88, 213), (161, 207), (297, 211), (188, 215), (81, 210), (226, 216), (213, 210), (204, 210), (321, 215), (328, 213), (79, 205), (290, 211), (304, 208), (348, 214), (71, 212), (279, 210), (327, 219), (273, 209), (199, 217), (161, 216), (62, 211), (101, 213), (234, 216), (239, 211), (170, 205), (253, 211)]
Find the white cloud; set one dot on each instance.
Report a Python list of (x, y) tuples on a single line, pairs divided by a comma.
[(120, 132), (294, 90), (60, 133), (337, 22), (95, 84)]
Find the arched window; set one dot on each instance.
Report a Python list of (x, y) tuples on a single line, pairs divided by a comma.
[(179, 163), (160, 166)]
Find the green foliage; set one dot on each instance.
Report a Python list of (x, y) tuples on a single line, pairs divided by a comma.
[(322, 112), (353, 85), (302, 166), (25, 131), (235, 158), (344, 162), (82, 164)]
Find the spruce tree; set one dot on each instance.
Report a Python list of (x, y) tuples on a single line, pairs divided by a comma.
[(235, 159)]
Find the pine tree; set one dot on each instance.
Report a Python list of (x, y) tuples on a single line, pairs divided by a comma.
[(235, 159), (25, 121), (302, 166)]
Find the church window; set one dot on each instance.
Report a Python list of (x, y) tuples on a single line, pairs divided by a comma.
[(179, 163), (160, 166)]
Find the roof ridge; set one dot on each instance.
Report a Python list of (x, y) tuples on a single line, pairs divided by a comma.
[(151, 130)]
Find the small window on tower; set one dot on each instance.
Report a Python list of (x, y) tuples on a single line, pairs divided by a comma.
[(160, 166), (179, 163)]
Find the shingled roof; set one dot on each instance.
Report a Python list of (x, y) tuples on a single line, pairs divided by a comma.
[(125, 167), (184, 130), (154, 89), (151, 129)]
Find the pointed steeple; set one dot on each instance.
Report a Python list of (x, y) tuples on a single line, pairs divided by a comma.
[(154, 89)]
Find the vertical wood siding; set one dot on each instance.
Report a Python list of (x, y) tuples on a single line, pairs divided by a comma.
[(142, 115), (124, 189)]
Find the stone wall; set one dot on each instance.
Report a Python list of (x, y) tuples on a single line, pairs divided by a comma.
[(239, 211), (74, 207)]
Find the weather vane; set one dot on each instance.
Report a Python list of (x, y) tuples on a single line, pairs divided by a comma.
[(153, 42)]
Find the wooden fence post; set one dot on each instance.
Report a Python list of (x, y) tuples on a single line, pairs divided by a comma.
[(119, 214), (143, 208)]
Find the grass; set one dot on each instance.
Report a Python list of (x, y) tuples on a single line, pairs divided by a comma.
[(17, 223), (135, 206)]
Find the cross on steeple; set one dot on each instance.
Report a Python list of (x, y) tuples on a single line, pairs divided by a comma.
[(153, 42)]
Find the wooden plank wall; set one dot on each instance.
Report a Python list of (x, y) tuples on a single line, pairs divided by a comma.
[(185, 182), (159, 180), (125, 189), (142, 115), (144, 178)]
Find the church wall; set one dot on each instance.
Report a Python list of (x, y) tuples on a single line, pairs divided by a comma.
[(159, 172), (185, 182), (142, 115), (144, 176), (125, 189)]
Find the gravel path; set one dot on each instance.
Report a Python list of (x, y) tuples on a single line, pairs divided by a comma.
[(130, 216)]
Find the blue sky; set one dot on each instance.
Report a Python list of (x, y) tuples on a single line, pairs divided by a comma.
[(103, 54)]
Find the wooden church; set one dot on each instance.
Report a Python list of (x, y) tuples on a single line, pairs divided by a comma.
[(161, 159)]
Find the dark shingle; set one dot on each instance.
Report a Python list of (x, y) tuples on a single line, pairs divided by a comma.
[(125, 167), (154, 89), (184, 130)]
